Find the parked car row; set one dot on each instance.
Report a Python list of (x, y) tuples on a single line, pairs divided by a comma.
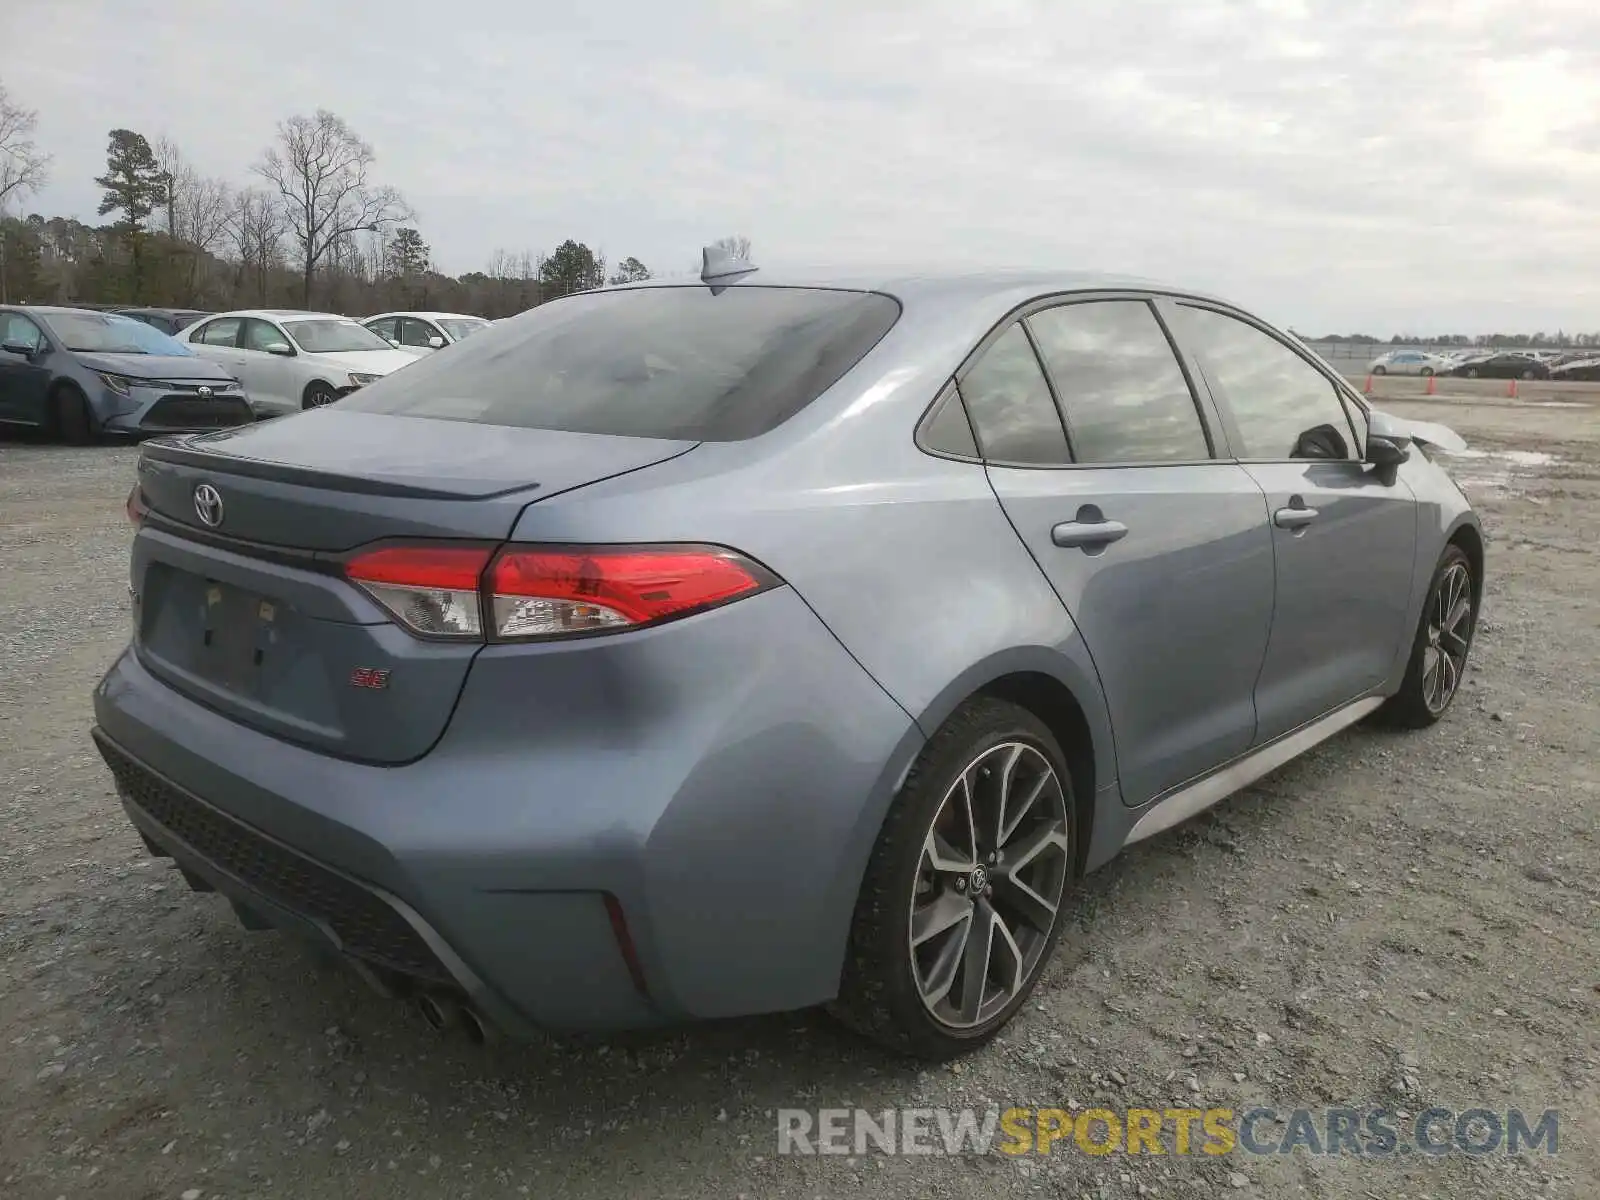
[(82, 371), (1492, 364)]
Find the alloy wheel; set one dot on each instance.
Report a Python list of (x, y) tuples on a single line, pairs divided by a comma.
[(1449, 635), (989, 885)]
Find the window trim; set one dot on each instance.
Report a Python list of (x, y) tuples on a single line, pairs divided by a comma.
[(1224, 407)]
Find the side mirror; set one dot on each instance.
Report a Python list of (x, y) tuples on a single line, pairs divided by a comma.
[(24, 349), (435, 342), (280, 348), (395, 342), (1381, 452)]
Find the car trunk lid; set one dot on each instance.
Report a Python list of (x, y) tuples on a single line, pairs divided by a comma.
[(250, 612)]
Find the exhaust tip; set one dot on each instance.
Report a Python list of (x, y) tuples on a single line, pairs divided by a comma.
[(479, 1032), (439, 1013)]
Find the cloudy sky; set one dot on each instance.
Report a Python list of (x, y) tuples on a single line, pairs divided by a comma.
[(1336, 164)]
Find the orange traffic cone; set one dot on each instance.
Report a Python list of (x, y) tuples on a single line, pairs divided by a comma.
[(1366, 388), (1433, 385), (1512, 390)]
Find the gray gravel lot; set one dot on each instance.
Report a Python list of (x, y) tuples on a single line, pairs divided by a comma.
[(1395, 919)]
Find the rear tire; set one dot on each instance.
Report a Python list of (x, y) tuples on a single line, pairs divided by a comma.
[(963, 847), (1426, 371), (69, 412), (317, 395), (1472, 372), (1439, 651), (1380, 370)]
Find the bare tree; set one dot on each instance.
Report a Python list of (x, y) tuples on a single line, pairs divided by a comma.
[(199, 210), (320, 168), (24, 167), (255, 229)]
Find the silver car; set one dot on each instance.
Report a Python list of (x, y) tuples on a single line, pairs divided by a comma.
[(424, 331), (289, 361), (681, 651), (1409, 362)]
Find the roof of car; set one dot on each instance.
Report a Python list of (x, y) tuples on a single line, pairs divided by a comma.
[(279, 314), (427, 316), (56, 310), (140, 308)]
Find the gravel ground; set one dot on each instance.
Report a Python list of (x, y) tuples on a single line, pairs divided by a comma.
[(1394, 919)]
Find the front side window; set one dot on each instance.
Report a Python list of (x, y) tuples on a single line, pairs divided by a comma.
[(658, 362), (224, 331), (1284, 407), (261, 336), (1012, 413), (416, 333), (1124, 395), (385, 328), (17, 330), (333, 335)]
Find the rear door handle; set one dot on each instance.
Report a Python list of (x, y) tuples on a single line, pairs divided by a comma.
[(1294, 517), (1089, 534)]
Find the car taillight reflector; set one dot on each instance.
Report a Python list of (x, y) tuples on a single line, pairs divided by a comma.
[(431, 590), (553, 590), (136, 507), (550, 591)]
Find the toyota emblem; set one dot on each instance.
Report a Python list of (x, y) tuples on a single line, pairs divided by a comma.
[(204, 392), (208, 505)]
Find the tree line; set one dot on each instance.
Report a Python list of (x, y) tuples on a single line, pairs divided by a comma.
[(313, 228)]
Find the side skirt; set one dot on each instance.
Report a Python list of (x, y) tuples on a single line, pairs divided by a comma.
[(1192, 798)]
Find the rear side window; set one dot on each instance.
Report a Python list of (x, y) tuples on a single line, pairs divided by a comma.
[(1015, 419), (669, 362), (1124, 395)]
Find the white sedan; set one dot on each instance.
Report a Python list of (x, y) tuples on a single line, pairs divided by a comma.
[(288, 361), (1409, 362), (424, 331)]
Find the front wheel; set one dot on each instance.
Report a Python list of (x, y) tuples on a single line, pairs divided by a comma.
[(1472, 372), (1427, 371), (961, 904), (1439, 650), (69, 412), (1527, 374), (318, 395), (1380, 370)]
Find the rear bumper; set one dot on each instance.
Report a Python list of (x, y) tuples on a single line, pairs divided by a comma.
[(723, 778)]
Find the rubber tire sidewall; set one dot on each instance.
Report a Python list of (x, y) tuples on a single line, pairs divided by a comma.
[(1380, 370), (877, 995), (311, 390), (1407, 709)]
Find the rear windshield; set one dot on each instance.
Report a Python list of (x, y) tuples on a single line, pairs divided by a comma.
[(668, 362)]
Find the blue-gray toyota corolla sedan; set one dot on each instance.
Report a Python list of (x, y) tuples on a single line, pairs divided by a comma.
[(77, 374), (675, 652)]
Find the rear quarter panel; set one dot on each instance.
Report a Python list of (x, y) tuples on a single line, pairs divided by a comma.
[(907, 558)]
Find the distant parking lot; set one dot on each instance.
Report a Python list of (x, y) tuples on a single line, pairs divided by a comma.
[(1394, 919)]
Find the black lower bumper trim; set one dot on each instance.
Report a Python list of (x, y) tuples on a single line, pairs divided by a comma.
[(350, 914)]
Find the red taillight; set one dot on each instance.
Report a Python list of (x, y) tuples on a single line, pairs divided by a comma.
[(136, 508), (432, 590), (550, 591)]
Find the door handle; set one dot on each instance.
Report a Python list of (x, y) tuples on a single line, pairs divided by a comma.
[(1296, 516), (1092, 534)]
